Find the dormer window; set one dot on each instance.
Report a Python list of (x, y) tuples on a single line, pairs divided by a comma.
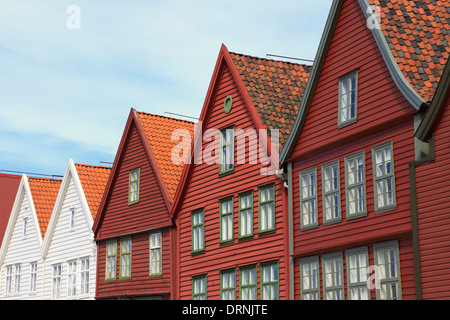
[(348, 96)]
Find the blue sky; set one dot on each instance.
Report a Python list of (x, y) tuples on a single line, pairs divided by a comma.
[(66, 93)]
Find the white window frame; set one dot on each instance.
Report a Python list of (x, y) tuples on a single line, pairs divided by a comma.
[(389, 275), (33, 276), (72, 219), (155, 253), (333, 276), (381, 177), (331, 192), (358, 185), (17, 276), (308, 199), (9, 279), (56, 281), (85, 264), (345, 106), (357, 268), (310, 278), (72, 278), (25, 227)]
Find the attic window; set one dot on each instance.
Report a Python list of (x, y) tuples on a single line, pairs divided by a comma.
[(348, 96), (228, 104), (134, 185)]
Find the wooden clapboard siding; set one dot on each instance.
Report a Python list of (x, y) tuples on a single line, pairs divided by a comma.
[(204, 189), (433, 192), (383, 115)]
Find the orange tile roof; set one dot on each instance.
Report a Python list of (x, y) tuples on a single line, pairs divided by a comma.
[(44, 192), (275, 88), (93, 180), (418, 34), (158, 130)]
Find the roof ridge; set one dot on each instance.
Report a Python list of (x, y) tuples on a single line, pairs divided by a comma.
[(266, 59), (92, 166), (166, 117), (43, 178)]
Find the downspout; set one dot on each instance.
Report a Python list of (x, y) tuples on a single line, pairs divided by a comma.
[(290, 233)]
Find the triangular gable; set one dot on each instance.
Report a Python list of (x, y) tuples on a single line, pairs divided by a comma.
[(398, 76), (83, 177), (134, 122)]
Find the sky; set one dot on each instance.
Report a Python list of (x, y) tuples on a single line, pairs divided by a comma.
[(70, 71)]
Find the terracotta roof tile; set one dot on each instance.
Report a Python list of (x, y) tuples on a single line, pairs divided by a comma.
[(276, 89), (159, 131), (93, 180), (44, 192), (418, 34)]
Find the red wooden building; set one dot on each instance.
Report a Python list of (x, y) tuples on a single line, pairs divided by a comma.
[(230, 206), (432, 194), (350, 149), (9, 183), (134, 228)]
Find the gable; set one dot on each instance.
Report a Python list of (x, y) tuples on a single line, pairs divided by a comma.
[(117, 216), (9, 185)]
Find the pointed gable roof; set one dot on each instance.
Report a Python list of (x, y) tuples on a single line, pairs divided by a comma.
[(9, 185), (93, 180), (44, 192), (413, 39)]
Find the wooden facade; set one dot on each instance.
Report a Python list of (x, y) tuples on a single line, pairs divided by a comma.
[(134, 224)]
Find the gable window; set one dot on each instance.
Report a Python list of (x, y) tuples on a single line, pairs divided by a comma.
[(228, 285), (226, 152), (72, 278), (56, 281), (25, 226), (355, 185), (84, 276), (333, 277), (384, 182), (111, 260), (246, 214), (331, 192), (357, 269), (387, 259), (308, 198), (155, 254), (309, 278), (348, 96), (247, 286), (125, 258), (198, 231), (267, 208), (33, 276), (134, 185), (226, 220), (199, 287), (72, 219), (269, 281)]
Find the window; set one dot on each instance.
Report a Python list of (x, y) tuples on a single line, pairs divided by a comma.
[(84, 276), (125, 258), (18, 268), (246, 214), (226, 220), (111, 260), (247, 285), (387, 259), (155, 254), (267, 208), (228, 285), (25, 226), (9, 280), (357, 269), (348, 96), (331, 192), (384, 182), (355, 185), (33, 276), (332, 277), (198, 231), (309, 278), (226, 153), (199, 287), (56, 282), (133, 193), (72, 219), (308, 198), (269, 281), (72, 278)]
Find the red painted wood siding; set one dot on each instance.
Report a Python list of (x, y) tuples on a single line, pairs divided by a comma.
[(137, 219), (140, 283), (433, 194), (205, 189), (383, 115)]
